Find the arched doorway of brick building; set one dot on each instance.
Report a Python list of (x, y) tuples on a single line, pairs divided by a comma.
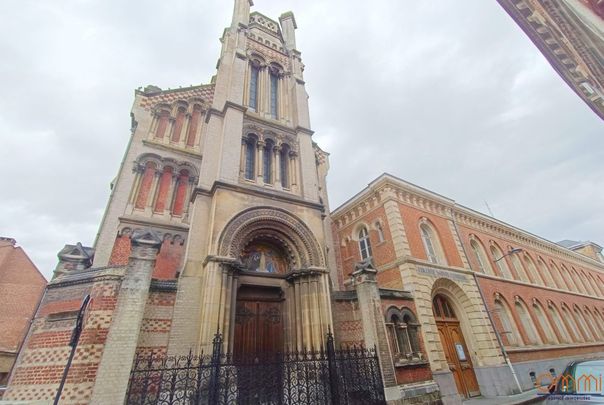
[(454, 347)]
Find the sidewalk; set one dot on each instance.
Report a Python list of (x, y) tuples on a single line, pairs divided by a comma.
[(527, 397)]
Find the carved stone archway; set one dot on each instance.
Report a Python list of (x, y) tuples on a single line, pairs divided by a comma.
[(303, 284), (297, 239)]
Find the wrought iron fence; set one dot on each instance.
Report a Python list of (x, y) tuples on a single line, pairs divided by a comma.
[(347, 376)]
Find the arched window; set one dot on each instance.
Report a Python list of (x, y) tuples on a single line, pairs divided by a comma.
[(442, 308), (530, 265), (587, 283), (250, 158), (562, 330), (558, 277), (599, 320), (578, 280), (431, 244), (378, 227), (594, 326), (583, 325), (182, 183), (254, 74), (569, 279), (145, 185), (598, 286), (274, 82), (499, 260), (267, 164), (165, 182), (178, 123), (263, 256), (481, 259), (509, 328), (550, 336), (546, 273), (403, 334), (527, 323), (570, 321), (519, 269), (364, 244), (162, 123), (193, 124), (284, 165)]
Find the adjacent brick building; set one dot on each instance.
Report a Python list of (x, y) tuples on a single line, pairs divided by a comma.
[(21, 287), (570, 34), (499, 309)]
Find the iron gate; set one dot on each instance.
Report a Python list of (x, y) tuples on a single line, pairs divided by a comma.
[(347, 376)]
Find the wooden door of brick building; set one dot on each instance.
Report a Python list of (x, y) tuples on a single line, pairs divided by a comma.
[(455, 348)]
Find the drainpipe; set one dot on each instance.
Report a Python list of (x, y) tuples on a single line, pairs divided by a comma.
[(501, 346)]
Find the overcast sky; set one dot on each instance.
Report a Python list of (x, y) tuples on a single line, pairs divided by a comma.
[(449, 95)]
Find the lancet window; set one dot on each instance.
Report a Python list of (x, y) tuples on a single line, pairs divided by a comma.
[(177, 124), (403, 334), (162, 186)]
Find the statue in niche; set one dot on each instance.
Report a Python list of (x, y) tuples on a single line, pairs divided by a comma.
[(263, 258)]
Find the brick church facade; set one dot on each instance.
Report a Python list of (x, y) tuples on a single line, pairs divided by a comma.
[(218, 222)]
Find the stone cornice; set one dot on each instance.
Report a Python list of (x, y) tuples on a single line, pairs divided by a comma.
[(170, 148), (387, 187), (473, 219), (268, 123), (153, 222), (256, 191), (542, 287), (90, 275), (565, 46)]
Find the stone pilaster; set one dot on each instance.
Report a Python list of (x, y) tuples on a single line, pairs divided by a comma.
[(118, 355), (374, 328)]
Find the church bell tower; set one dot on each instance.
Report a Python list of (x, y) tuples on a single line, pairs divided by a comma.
[(230, 177)]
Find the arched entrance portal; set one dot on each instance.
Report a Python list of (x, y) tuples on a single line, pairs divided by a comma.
[(454, 347), (259, 313), (271, 286)]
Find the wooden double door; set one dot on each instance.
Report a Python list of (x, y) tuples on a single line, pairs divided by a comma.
[(455, 348), (258, 322)]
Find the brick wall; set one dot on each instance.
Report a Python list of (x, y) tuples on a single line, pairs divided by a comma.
[(21, 287), (383, 252), (42, 361), (168, 262), (411, 220), (508, 291), (348, 329), (157, 323)]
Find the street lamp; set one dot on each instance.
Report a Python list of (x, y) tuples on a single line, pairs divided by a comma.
[(511, 252)]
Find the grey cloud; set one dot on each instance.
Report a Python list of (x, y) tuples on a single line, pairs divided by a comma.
[(449, 95)]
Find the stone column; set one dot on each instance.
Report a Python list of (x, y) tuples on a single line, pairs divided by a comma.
[(374, 327), (118, 355), (260, 167)]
